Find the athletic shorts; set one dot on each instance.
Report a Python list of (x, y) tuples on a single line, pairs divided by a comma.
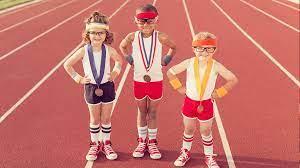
[(108, 96)]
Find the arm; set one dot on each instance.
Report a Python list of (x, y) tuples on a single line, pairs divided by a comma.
[(165, 40), (125, 47), (229, 77), (118, 63), (172, 72), (70, 62)]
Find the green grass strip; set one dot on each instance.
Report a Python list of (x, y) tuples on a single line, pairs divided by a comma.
[(10, 3)]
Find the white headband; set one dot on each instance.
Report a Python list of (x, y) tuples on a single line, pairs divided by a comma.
[(96, 26)]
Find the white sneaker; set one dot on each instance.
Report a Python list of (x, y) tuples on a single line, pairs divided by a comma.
[(185, 156)]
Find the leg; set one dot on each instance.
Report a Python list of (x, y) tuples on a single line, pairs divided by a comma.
[(189, 129), (106, 131), (152, 131), (207, 140), (94, 131), (142, 128)]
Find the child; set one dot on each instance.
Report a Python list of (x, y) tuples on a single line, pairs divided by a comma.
[(99, 89), (200, 92), (147, 60)]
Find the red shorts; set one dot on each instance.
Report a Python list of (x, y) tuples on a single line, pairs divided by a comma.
[(189, 109), (151, 89)]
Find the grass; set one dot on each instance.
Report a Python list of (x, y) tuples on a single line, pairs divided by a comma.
[(10, 3)]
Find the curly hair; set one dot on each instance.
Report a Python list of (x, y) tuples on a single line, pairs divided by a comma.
[(97, 17)]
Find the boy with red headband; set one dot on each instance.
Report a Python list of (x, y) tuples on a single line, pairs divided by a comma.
[(146, 56), (202, 71)]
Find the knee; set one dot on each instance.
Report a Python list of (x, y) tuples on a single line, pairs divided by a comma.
[(205, 131), (152, 114), (189, 130)]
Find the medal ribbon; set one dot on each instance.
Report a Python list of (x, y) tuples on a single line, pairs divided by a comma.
[(152, 48), (202, 86), (97, 78)]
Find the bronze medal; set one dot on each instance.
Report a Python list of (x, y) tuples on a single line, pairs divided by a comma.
[(200, 108), (147, 78), (99, 92)]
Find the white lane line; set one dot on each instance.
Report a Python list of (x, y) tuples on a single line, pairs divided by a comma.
[(271, 16), (286, 5), (49, 30), (221, 129), (19, 7), (295, 1), (36, 16), (36, 86), (286, 72)]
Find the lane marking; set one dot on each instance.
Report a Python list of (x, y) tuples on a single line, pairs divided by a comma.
[(271, 16), (281, 3), (221, 129), (47, 31), (36, 16), (267, 54)]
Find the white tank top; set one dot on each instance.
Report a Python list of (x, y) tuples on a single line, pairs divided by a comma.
[(97, 57), (155, 71), (191, 89)]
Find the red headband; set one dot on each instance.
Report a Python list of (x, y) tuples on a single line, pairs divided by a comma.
[(146, 15), (212, 42)]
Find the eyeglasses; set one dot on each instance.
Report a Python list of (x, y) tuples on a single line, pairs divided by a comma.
[(207, 49), (97, 33), (143, 21)]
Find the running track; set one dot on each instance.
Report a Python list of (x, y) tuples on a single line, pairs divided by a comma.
[(49, 126)]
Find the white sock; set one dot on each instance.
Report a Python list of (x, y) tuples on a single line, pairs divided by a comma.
[(94, 131), (142, 131), (207, 144), (152, 133), (187, 141), (106, 130)]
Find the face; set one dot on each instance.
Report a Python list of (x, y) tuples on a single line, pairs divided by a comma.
[(147, 26), (204, 52), (97, 36)]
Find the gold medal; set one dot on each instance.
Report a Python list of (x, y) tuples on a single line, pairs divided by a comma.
[(200, 108), (99, 92), (147, 78)]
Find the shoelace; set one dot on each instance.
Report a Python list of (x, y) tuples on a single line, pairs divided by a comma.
[(93, 150), (108, 149), (141, 147), (183, 155), (211, 160), (153, 148)]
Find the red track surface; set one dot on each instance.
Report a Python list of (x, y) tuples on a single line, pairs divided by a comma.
[(50, 128)]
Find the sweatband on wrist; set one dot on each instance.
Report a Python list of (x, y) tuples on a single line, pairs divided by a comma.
[(175, 83), (221, 92), (129, 59), (117, 67), (167, 59)]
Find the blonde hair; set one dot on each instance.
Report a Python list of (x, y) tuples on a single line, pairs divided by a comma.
[(204, 36)]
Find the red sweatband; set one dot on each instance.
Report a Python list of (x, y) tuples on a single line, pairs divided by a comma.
[(146, 15), (212, 42)]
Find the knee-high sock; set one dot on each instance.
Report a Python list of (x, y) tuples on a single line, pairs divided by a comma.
[(94, 131), (106, 130), (207, 144)]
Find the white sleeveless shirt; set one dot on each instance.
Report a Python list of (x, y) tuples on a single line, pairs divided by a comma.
[(97, 57), (191, 89), (155, 71)]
